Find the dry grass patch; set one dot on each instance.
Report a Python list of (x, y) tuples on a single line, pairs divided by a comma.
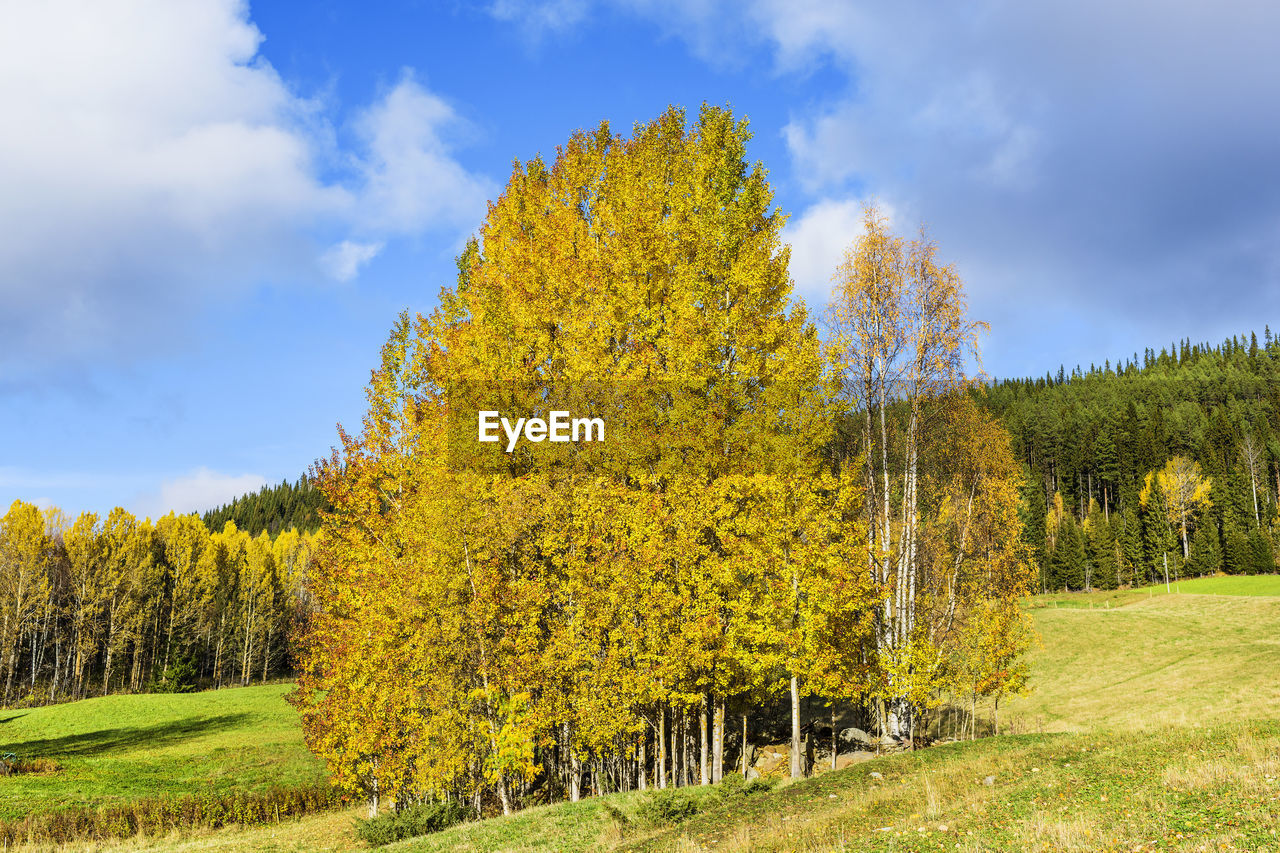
[(1255, 768), (1049, 832)]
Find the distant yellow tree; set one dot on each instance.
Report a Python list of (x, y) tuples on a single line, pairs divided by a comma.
[(24, 580), (1182, 493)]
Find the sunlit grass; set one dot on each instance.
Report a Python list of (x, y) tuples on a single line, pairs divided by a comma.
[(120, 748)]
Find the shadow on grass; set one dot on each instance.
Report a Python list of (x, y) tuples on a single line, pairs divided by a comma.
[(11, 719), (105, 741)]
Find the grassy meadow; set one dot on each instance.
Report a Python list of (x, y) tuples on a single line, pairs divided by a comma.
[(119, 748), (1154, 725), (1137, 660)]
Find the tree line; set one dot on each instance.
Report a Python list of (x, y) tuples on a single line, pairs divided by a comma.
[(275, 509), (769, 518), (1168, 464), (120, 604)]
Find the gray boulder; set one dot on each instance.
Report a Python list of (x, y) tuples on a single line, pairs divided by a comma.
[(856, 737)]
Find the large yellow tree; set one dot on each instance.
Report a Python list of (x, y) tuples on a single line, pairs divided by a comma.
[(567, 611)]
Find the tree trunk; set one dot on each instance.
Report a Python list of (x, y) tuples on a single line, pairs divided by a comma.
[(795, 728), (717, 754), (746, 748), (675, 753), (835, 740), (686, 761), (704, 769), (662, 747), (642, 762), (502, 794)]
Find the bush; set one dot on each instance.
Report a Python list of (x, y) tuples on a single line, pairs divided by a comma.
[(668, 807), (734, 785), (411, 822), (35, 765), (731, 785)]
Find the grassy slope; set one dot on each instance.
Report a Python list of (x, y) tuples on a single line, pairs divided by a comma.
[(1153, 686), (1178, 659), (1180, 789), (1145, 691), (123, 747)]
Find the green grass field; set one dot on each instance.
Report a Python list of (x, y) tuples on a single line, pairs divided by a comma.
[(119, 748), (1253, 585), (1154, 725), (1158, 660)]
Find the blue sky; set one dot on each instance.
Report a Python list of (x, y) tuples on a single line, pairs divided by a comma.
[(211, 212)]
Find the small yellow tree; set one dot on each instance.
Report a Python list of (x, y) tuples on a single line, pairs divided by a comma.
[(1183, 494)]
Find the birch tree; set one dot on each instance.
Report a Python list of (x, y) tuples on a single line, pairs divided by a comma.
[(900, 340)]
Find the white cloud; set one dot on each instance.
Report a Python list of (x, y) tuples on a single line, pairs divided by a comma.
[(343, 261), (152, 160), (411, 181), (540, 17), (818, 238), (199, 491), (1086, 154)]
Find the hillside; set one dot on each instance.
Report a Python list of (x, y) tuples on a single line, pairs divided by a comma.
[(1159, 732), (1181, 659), (272, 509), (122, 748), (1092, 442)]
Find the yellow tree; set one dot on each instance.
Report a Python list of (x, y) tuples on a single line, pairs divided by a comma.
[(900, 341), (1183, 493), (183, 539), (24, 581), (640, 277), (84, 546), (127, 557)]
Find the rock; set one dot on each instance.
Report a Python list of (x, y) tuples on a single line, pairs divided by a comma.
[(5, 768), (850, 758), (772, 760), (989, 781), (875, 775), (857, 736), (752, 773)]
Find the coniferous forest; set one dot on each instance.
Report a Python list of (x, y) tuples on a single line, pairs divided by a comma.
[(273, 509), (1165, 463)]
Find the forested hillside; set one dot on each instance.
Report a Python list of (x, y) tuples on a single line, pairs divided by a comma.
[(1172, 459), (272, 508), (97, 606)]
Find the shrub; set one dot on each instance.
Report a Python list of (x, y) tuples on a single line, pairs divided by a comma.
[(734, 785), (731, 785), (667, 807), (179, 677), (411, 822)]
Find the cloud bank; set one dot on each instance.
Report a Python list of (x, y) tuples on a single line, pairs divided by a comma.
[(199, 491), (1099, 169), (153, 161)]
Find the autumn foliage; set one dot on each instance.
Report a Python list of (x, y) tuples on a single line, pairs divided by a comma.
[(500, 629)]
